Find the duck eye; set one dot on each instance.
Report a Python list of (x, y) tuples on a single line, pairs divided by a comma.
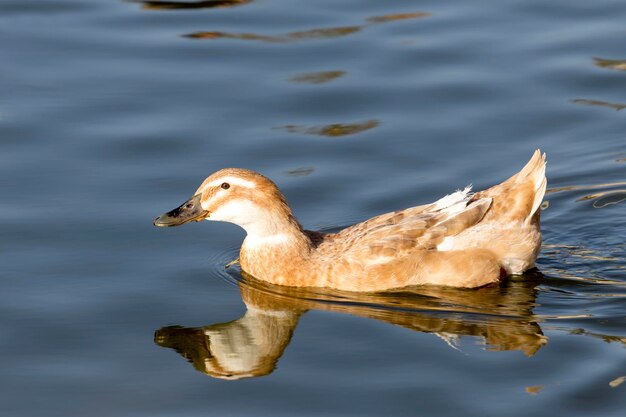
[(225, 185)]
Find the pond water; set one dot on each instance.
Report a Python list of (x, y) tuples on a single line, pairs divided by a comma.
[(113, 112)]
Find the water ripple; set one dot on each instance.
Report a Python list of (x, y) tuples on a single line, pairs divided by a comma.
[(317, 77), (600, 199), (599, 103), (188, 5), (333, 130), (322, 33), (288, 37)]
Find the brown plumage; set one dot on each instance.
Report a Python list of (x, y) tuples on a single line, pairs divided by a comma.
[(461, 240)]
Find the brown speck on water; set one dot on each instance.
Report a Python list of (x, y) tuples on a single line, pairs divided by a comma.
[(534, 389)]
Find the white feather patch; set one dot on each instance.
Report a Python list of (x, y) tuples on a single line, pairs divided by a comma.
[(240, 212), (446, 244), (232, 181), (253, 241), (455, 202), (258, 224)]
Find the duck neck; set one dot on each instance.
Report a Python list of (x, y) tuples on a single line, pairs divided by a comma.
[(275, 231), (276, 246)]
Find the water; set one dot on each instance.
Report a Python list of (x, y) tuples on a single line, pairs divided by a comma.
[(112, 112)]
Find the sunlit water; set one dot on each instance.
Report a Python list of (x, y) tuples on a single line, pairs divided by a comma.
[(112, 112)]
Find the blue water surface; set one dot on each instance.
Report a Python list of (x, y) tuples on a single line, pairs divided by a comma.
[(112, 112)]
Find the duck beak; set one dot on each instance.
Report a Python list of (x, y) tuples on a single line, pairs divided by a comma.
[(190, 210)]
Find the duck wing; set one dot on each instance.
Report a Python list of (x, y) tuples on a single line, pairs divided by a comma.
[(394, 234)]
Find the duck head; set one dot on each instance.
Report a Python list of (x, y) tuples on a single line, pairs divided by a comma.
[(243, 197)]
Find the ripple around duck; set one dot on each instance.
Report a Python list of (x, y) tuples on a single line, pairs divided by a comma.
[(433, 299)]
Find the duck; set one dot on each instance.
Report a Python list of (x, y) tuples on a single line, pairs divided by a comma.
[(465, 239)]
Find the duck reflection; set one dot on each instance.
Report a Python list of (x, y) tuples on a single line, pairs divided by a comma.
[(252, 345)]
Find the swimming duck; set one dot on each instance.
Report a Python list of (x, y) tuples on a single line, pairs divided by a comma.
[(464, 239)]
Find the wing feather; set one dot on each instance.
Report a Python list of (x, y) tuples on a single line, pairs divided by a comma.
[(394, 234)]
